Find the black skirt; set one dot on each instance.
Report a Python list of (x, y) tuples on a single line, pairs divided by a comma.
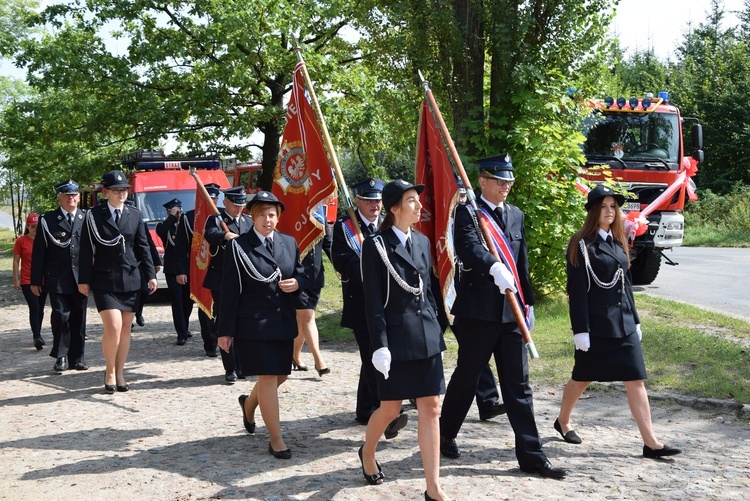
[(123, 301), (412, 379), (264, 358), (610, 359), (307, 299)]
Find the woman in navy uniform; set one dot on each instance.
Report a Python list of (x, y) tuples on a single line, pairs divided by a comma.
[(607, 330), (262, 275), (113, 247), (406, 338)]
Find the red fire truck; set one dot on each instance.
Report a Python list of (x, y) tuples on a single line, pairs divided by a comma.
[(638, 144)]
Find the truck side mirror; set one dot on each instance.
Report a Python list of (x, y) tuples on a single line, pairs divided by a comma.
[(697, 133), (698, 155)]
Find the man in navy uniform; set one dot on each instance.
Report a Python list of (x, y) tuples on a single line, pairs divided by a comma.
[(484, 321), (54, 266), (345, 253), (183, 244), (237, 223), (179, 294)]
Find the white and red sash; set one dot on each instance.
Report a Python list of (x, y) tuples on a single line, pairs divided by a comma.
[(500, 241)]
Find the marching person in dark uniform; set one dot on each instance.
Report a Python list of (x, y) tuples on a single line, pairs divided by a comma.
[(55, 267), (405, 336), (113, 247), (308, 299), (484, 321), (607, 330), (237, 223), (183, 244), (262, 275), (179, 294), (345, 253)]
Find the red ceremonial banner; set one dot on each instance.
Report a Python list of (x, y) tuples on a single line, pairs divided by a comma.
[(434, 170), (200, 256), (303, 177)]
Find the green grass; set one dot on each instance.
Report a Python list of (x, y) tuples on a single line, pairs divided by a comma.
[(712, 236), (687, 350)]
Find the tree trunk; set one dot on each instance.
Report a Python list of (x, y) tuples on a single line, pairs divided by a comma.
[(272, 132)]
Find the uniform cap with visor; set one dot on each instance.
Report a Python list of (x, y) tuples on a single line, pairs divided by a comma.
[(236, 195), (213, 190), (68, 187), (115, 179), (175, 202), (265, 197), (497, 167), (369, 189)]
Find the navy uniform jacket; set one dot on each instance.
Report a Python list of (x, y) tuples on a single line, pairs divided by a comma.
[(115, 268), (397, 319), (214, 235), (313, 262), (260, 311), (603, 313), (346, 262), (183, 242), (477, 289), (167, 231), (57, 267)]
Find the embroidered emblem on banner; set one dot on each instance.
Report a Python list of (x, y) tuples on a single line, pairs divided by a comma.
[(295, 177)]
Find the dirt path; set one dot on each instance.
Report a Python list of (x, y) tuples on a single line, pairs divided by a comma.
[(178, 435)]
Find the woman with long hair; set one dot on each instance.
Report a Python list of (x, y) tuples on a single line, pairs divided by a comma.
[(22, 250), (606, 327), (406, 338), (261, 277), (113, 249)]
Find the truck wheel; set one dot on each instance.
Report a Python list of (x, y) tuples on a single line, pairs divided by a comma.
[(645, 266)]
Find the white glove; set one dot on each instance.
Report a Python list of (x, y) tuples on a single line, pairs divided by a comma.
[(532, 320), (381, 360), (638, 331), (503, 277), (582, 341)]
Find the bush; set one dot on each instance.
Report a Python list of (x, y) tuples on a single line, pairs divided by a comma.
[(730, 211)]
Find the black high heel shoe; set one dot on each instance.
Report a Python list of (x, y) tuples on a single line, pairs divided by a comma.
[(109, 388), (298, 367), (323, 372), (375, 478), (123, 388), (250, 427), (571, 437)]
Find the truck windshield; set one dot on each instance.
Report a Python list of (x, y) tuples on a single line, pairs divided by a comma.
[(629, 138), (151, 204)]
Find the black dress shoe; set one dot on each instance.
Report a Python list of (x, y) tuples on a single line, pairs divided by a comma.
[(298, 367), (571, 437), (80, 366), (546, 470), (285, 454), (323, 372), (181, 342), (212, 354), (239, 374), (61, 364), (140, 320), (123, 388), (109, 388), (375, 478), (250, 427), (189, 334), (449, 449), (494, 411), (648, 452), (230, 377), (38, 343), (392, 430)]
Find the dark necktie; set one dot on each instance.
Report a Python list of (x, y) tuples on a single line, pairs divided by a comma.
[(371, 227), (269, 245), (237, 222), (117, 217), (609, 241), (70, 220), (500, 216), (408, 246)]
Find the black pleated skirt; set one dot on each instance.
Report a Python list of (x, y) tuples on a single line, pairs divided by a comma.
[(618, 359), (412, 379), (264, 358), (123, 301)]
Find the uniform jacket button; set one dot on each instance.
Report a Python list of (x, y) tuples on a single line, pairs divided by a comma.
[(419, 312)]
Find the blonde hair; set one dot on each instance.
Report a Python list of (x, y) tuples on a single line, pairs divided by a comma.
[(591, 226), (256, 209)]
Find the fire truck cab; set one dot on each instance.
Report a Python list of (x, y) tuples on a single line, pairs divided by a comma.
[(638, 144)]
